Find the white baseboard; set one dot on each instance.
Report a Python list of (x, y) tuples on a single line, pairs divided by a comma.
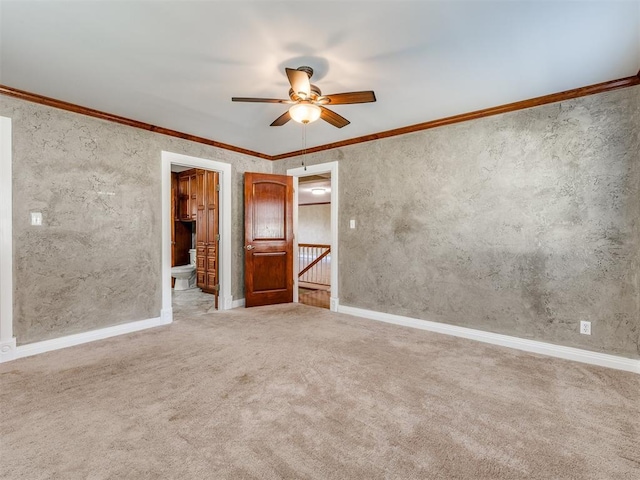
[(559, 351), (90, 336), (237, 303), (8, 350)]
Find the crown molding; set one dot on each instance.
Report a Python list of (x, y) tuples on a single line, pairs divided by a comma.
[(71, 107), (487, 112), (464, 117)]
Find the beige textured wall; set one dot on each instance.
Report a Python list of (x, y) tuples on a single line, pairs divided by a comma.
[(314, 224), (96, 261), (523, 223)]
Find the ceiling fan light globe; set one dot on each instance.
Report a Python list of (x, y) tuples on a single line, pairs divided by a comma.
[(305, 112)]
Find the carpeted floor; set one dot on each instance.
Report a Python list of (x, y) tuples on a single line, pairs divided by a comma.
[(299, 392)]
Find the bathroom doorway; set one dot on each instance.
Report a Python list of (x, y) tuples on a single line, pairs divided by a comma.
[(194, 229), (214, 262)]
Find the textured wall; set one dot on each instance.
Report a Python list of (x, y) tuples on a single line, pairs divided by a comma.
[(523, 223), (314, 223), (96, 261)]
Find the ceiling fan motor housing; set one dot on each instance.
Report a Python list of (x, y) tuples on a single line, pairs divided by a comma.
[(307, 70), (314, 95)]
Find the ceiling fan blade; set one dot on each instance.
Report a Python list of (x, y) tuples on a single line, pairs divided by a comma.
[(281, 120), (259, 100), (299, 81), (333, 118), (351, 97)]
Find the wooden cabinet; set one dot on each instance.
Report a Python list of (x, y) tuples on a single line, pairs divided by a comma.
[(187, 193), (180, 232), (207, 237)]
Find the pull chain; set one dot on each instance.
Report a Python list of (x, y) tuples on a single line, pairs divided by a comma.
[(304, 145)]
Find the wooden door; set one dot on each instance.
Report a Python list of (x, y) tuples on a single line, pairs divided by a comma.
[(211, 213), (207, 238), (268, 226)]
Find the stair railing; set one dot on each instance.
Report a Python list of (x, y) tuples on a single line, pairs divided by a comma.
[(315, 263)]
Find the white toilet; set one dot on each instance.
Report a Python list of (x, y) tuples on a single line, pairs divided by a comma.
[(185, 275)]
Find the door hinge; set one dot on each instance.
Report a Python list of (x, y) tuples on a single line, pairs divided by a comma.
[(217, 237), (216, 288), (217, 187)]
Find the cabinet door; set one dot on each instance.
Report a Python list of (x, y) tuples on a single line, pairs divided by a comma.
[(201, 232), (211, 212), (193, 195), (184, 196)]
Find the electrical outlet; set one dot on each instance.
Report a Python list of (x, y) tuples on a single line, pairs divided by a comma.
[(585, 327)]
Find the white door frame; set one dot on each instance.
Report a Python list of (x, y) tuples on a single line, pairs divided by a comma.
[(332, 168), (225, 299), (7, 340)]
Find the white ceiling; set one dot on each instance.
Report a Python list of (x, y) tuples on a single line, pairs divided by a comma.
[(176, 64), (306, 195)]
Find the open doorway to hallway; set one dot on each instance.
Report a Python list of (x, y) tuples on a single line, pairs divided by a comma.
[(328, 172), (314, 240)]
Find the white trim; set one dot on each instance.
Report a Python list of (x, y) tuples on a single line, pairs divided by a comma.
[(225, 299), (296, 248), (226, 303), (166, 315), (334, 304), (8, 350), (332, 168), (86, 337), (238, 303), (559, 351), (7, 340)]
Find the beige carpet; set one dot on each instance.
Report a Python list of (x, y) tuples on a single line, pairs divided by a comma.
[(298, 392)]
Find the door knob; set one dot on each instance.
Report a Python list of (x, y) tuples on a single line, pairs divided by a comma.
[(249, 247)]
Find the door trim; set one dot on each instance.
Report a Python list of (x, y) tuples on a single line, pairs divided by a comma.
[(225, 300), (7, 340), (332, 168)]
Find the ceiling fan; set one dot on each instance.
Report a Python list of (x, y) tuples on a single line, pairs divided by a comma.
[(307, 102)]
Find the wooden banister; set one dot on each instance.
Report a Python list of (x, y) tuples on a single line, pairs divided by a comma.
[(310, 266)]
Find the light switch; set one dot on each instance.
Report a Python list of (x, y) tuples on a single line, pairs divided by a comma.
[(36, 218), (352, 223)]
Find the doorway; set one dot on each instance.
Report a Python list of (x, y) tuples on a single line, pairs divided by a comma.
[(314, 240), (315, 220), (180, 162)]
